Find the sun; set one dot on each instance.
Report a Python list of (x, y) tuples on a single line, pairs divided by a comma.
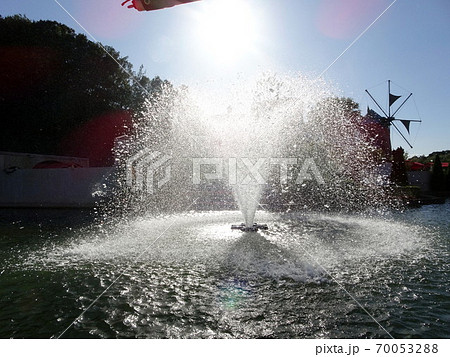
[(226, 29)]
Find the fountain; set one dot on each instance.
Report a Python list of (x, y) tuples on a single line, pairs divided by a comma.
[(161, 261), (278, 144)]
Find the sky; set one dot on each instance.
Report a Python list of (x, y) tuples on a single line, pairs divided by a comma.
[(352, 44)]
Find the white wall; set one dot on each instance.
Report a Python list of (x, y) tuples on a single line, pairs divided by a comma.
[(70, 187)]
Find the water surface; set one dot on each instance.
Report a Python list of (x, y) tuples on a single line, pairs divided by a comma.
[(190, 276)]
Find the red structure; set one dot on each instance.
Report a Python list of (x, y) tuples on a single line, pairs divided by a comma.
[(378, 134), (95, 139)]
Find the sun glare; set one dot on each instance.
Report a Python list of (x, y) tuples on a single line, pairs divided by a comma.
[(227, 29)]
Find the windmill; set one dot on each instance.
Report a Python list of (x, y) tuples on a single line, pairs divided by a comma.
[(389, 117)]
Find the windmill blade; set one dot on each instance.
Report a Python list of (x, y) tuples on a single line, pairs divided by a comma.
[(370, 95), (393, 124), (393, 98), (411, 120), (407, 122), (401, 105)]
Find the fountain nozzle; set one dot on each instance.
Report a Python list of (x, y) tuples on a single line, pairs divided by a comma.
[(254, 228)]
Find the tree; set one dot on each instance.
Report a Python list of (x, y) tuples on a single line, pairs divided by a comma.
[(333, 138), (53, 81), (443, 155), (437, 176), (398, 174), (447, 182)]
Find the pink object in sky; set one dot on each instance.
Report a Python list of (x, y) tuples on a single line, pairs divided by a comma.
[(149, 5)]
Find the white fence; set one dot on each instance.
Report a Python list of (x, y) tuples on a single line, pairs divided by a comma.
[(27, 161), (66, 187)]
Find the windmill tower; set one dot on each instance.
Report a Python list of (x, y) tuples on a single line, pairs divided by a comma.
[(389, 117)]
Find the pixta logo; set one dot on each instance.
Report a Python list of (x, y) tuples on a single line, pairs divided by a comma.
[(247, 171), (147, 171)]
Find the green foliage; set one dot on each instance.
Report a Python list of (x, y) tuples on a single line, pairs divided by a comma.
[(343, 157), (398, 174), (447, 182), (335, 106), (443, 155), (437, 176), (54, 80)]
